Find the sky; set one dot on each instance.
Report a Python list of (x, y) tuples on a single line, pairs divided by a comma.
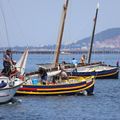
[(36, 22)]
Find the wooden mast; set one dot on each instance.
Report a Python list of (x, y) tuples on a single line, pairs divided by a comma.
[(93, 33), (60, 35)]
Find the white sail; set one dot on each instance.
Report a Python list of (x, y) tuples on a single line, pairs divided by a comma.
[(22, 62)]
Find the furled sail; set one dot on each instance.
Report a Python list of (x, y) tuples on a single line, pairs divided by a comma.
[(22, 62)]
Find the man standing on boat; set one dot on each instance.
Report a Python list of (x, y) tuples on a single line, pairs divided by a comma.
[(43, 75), (7, 62), (82, 60), (75, 62)]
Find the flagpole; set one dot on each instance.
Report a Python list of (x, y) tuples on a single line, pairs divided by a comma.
[(93, 34)]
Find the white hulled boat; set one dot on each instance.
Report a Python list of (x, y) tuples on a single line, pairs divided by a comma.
[(9, 85)]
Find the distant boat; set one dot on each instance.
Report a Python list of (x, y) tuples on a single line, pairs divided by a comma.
[(9, 86), (65, 53)]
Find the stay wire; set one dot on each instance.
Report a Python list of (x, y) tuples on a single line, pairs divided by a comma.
[(18, 24), (5, 23)]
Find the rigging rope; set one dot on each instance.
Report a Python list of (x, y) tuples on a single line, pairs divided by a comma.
[(18, 24), (5, 23)]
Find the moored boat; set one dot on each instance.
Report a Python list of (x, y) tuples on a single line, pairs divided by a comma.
[(10, 84), (99, 71), (73, 85)]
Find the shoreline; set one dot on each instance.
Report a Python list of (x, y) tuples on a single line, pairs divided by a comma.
[(65, 52)]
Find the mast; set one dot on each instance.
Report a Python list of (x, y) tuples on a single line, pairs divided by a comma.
[(60, 35), (93, 33)]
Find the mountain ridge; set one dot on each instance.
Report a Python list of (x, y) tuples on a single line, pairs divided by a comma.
[(101, 40)]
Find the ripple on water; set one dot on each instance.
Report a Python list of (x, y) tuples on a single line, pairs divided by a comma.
[(104, 105)]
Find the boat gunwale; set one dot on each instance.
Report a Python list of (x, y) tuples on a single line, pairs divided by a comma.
[(11, 87)]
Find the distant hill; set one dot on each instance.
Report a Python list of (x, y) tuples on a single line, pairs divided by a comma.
[(106, 39)]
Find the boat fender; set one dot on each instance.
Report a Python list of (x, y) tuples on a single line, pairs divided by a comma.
[(11, 83), (85, 93), (3, 84)]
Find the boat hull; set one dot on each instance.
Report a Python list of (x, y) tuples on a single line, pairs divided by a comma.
[(62, 89), (8, 91), (103, 74), (7, 94)]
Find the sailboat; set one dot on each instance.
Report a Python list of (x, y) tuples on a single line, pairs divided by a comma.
[(9, 85), (55, 85), (99, 70)]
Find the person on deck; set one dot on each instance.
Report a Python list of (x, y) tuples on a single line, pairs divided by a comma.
[(43, 75), (82, 60), (117, 63), (75, 62), (7, 63), (63, 73)]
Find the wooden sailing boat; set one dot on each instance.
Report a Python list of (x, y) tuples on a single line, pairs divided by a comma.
[(101, 71), (55, 85), (9, 85)]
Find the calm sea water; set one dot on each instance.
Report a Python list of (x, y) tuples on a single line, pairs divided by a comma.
[(104, 105)]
